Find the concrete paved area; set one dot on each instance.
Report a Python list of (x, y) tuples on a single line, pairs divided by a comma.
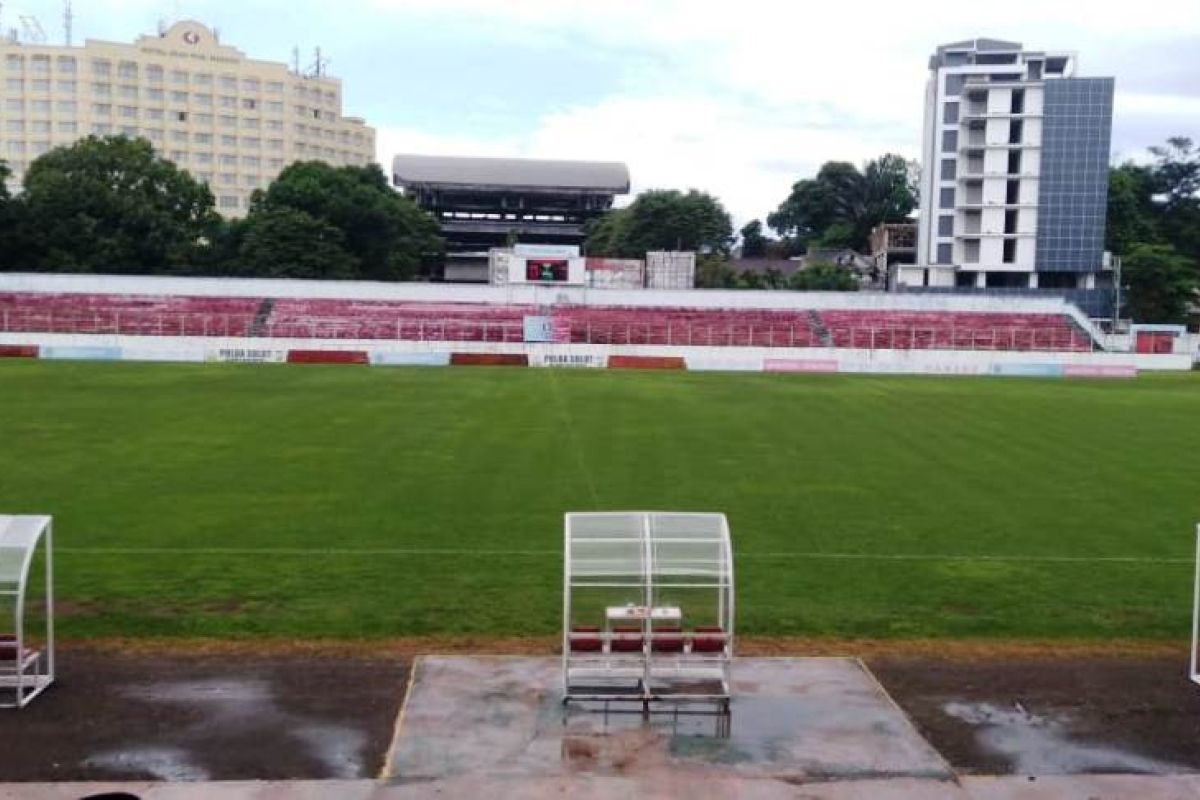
[(800, 719), (1077, 787)]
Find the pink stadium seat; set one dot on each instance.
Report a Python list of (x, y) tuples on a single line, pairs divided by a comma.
[(585, 639), (708, 639), (626, 640)]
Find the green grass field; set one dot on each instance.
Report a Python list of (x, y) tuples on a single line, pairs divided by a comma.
[(294, 501)]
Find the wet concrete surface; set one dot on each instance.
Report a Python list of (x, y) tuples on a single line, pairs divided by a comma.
[(201, 718), (1052, 716), (798, 719)]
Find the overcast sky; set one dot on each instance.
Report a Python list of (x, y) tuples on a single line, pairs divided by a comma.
[(736, 98)]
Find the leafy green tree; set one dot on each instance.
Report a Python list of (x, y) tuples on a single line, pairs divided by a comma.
[(840, 206), (1160, 283), (714, 272), (1177, 183), (384, 234), (1132, 214), (288, 243), (754, 244), (824, 277), (663, 220), (111, 205)]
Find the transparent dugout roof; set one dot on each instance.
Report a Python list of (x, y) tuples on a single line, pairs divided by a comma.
[(19, 537), (635, 546)]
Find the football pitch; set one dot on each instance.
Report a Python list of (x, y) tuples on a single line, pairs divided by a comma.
[(305, 501)]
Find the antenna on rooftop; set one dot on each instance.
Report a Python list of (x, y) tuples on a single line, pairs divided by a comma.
[(34, 33), (319, 65), (296, 60), (68, 22)]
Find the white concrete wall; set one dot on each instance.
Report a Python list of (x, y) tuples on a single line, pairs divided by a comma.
[(964, 362)]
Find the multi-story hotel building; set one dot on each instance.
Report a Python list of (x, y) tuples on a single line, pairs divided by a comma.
[(1014, 171), (231, 121)]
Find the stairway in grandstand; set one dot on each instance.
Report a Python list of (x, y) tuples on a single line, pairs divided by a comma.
[(818, 326), (261, 316)]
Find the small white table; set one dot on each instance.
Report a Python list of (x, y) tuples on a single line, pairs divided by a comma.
[(639, 613)]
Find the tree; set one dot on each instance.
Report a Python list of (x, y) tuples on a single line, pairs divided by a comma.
[(384, 234), (1132, 214), (754, 244), (110, 205), (663, 220), (840, 206), (1161, 283), (287, 243), (1177, 183), (822, 276)]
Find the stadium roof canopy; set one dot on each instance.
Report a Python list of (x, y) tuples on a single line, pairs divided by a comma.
[(517, 173)]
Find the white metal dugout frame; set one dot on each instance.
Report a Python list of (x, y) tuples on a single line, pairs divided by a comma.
[(1192, 669), (648, 606), (26, 656)]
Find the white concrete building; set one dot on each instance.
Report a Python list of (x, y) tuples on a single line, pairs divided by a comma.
[(1014, 171), (232, 121)]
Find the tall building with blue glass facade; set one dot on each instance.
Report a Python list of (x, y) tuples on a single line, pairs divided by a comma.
[(1014, 173)]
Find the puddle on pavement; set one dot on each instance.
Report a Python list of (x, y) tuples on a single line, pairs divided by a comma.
[(1041, 745)]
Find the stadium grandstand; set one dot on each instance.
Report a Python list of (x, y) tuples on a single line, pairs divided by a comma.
[(484, 203), (429, 313)]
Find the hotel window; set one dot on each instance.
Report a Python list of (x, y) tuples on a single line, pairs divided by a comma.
[(228, 141), (250, 122), (128, 112), (39, 106), (250, 85), (202, 79), (274, 107), (228, 102), (202, 138), (154, 134), (274, 87), (202, 158), (179, 76), (129, 130), (179, 136), (102, 89), (202, 119), (101, 69), (154, 73), (66, 65), (127, 69), (153, 113), (229, 82), (228, 122), (228, 160), (39, 85), (14, 63), (16, 148), (102, 109), (39, 126), (227, 201), (13, 104), (128, 92), (251, 141), (67, 87), (154, 95), (275, 163), (40, 65), (38, 148), (14, 84), (274, 125), (251, 162), (14, 125), (249, 103), (249, 180), (228, 178), (179, 156), (203, 99), (179, 97), (274, 144), (67, 127), (102, 129)]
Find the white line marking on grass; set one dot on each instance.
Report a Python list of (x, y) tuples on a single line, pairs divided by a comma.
[(427, 551)]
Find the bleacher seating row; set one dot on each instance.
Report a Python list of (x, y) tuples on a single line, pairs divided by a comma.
[(482, 322)]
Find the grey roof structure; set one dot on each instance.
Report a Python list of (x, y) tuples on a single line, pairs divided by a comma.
[(516, 173)]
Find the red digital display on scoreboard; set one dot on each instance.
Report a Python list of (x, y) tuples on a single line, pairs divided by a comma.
[(547, 270)]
